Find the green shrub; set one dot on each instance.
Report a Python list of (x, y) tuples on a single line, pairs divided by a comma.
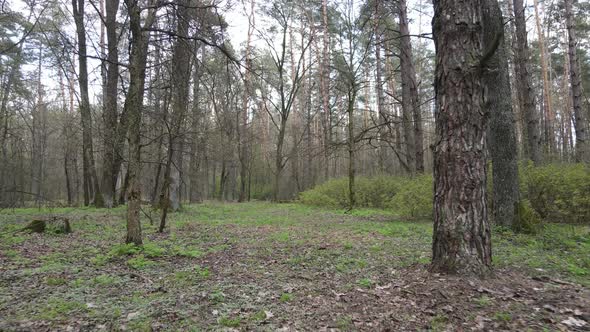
[(409, 197), (529, 221), (414, 198), (557, 192)]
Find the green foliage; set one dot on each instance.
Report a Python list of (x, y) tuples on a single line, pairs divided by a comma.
[(409, 197), (286, 297), (365, 282), (414, 198), (529, 221), (139, 262), (230, 322), (558, 192)]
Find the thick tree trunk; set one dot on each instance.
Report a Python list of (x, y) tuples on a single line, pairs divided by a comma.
[(109, 173), (85, 112), (524, 86), (462, 239), (580, 119), (502, 133)]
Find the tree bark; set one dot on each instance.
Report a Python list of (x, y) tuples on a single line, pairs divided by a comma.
[(525, 89), (582, 149), (462, 239), (502, 133), (134, 103), (109, 173)]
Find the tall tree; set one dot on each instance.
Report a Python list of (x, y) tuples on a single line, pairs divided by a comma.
[(580, 118), (180, 90), (411, 114), (109, 173), (462, 239), (502, 132), (89, 167), (134, 103), (524, 85)]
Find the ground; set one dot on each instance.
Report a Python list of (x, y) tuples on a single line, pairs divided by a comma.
[(268, 267)]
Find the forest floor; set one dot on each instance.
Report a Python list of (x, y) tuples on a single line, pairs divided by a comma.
[(262, 266)]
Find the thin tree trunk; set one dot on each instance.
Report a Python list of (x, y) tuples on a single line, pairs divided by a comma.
[(86, 115), (547, 102), (180, 85), (134, 103), (411, 114), (109, 173), (525, 89), (580, 119)]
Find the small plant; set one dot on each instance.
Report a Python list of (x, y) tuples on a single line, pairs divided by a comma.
[(439, 322), (202, 272), (286, 297), (230, 322), (139, 262), (503, 317), (483, 301), (365, 282), (57, 281), (216, 297), (344, 323)]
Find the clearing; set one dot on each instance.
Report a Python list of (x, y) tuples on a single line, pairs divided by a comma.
[(268, 267)]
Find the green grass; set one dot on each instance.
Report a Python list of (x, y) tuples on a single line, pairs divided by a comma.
[(239, 261)]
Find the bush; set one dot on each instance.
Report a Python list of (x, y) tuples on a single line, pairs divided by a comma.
[(410, 197), (414, 198), (557, 192)]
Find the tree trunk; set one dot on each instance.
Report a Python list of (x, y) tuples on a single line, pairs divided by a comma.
[(582, 153), (502, 133), (525, 89), (134, 103), (462, 239), (109, 173), (547, 102), (411, 115), (85, 112), (180, 86)]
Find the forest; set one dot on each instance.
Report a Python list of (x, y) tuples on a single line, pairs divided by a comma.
[(279, 165)]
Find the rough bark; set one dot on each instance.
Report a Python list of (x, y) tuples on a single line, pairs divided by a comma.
[(582, 149), (524, 86), (502, 132), (462, 239)]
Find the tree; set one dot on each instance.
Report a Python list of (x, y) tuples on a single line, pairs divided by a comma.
[(180, 89), (89, 168), (502, 132), (580, 119), (462, 239), (133, 104), (412, 116), (110, 173), (524, 86)]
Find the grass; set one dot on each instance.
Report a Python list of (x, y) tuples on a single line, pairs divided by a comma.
[(230, 265)]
